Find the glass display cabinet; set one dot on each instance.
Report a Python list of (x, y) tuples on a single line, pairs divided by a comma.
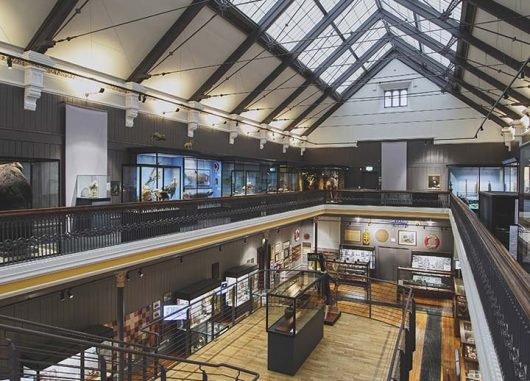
[(289, 180), (192, 319), (428, 283), (321, 177), (353, 254), (432, 261), (147, 182), (354, 273), (241, 282), (92, 190), (295, 321)]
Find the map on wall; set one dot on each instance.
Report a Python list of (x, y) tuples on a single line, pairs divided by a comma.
[(429, 262)]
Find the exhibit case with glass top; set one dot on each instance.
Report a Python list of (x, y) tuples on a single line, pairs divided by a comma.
[(425, 282), (295, 321)]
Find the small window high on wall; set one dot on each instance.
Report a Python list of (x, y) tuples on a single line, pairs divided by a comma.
[(396, 98)]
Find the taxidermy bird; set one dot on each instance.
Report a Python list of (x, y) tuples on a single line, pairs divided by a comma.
[(15, 190), (188, 145), (158, 137)]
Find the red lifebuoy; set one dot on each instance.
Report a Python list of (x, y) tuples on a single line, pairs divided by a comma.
[(431, 241)]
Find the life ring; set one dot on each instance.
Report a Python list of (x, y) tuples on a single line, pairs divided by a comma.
[(431, 241)]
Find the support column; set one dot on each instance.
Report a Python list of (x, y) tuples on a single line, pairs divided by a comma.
[(315, 224), (267, 260), (121, 279)]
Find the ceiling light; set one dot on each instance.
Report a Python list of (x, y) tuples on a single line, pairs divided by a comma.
[(9, 63), (140, 273), (61, 296), (69, 294)]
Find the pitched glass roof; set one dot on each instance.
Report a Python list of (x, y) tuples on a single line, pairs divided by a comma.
[(369, 38), (320, 48), (255, 10), (357, 13), (338, 67), (442, 5)]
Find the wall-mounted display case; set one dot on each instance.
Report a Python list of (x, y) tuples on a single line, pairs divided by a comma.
[(295, 321), (432, 261), (358, 254), (288, 180), (202, 178), (323, 177), (146, 182)]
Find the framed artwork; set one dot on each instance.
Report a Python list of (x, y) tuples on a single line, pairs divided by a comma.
[(286, 245), (433, 182), (156, 314), (286, 253), (156, 305), (352, 235), (115, 188), (297, 235), (277, 247), (406, 238), (277, 257)]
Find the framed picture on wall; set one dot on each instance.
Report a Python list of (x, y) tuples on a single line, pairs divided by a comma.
[(433, 182), (352, 235), (406, 238), (277, 248), (286, 245)]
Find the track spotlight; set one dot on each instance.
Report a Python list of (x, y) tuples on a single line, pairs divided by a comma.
[(101, 90), (522, 75), (506, 96), (140, 273), (61, 296), (481, 128), (144, 98), (9, 63), (69, 294), (220, 247), (127, 276), (177, 110), (139, 97)]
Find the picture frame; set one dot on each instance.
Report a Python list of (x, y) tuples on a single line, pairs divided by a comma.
[(286, 245), (286, 253), (352, 235), (115, 188), (407, 238), (434, 182), (277, 247)]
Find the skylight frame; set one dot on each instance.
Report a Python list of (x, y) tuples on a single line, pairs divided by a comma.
[(255, 10)]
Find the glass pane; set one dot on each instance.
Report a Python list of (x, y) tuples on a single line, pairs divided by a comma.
[(398, 10), (321, 48), (491, 179), (464, 181), (403, 98), (369, 38), (338, 67), (438, 57), (442, 5), (434, 31), (408, 39), (350, 81), (352, 18), (131, 184), (395, 98), (510, 179), (378, 56), (255, 10), (294, 24), (388, 98)]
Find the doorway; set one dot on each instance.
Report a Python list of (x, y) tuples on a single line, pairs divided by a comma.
[(388, 259)]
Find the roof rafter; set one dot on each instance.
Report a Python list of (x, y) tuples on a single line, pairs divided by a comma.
[(438, 47), (42, 40), (503, 13), (351, 69), (353, 37), (141, 72), (353, 88), (453, 27), (296, 51), (426, 71), (251, 39), (411, 51)]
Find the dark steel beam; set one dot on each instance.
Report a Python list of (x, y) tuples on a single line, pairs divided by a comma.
[(42, 40), (453, 27), (428, 72), (439, 47), (352, 69), (297, 50), (503, 13), (423, 59), (141, 72), (354, 88), (339, 51), (251, 39)]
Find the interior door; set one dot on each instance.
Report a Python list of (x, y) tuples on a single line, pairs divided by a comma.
[(388, 259)]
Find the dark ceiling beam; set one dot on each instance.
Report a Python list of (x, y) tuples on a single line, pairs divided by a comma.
[(453, 27), (503, 13), (439, 47), (426, 71), (354, 88), (339, 51), (441, 70), (42, 40), (141, 72), (251, 39), (351, 69), (296, 51), (467, 20)]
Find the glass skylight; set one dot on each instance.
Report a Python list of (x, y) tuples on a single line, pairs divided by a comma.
[(350, 80), (329, 4), (398, 10), (320, 49), (408, 39), (357, 13), (369, 38), (434, 31), (377, 56), (442, 5), (255, 10), (338, 67), (436, 56), (294, 24)]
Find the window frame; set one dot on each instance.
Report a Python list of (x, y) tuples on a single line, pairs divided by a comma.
[(395, 98)]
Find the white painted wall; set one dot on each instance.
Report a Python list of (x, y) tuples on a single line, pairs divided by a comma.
[(361, 119), (329, 234)]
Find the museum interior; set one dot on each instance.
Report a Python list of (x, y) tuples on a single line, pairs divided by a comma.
[(265, 190)]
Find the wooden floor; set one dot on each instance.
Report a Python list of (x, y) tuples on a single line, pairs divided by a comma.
[(355, 348)]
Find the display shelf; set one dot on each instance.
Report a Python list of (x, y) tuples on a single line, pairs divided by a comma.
[(352, 253), (466, 332), (353, 273), (460, 306), (469, 361)]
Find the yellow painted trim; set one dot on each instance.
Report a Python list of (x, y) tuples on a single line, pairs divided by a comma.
[(24, 285)]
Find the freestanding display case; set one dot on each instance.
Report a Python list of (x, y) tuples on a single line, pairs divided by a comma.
[(295, 321), (240, 297), (193, 316), (424, 282), (92, 190)]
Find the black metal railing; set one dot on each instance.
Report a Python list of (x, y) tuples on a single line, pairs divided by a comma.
[(27, 235), (504, 290)]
